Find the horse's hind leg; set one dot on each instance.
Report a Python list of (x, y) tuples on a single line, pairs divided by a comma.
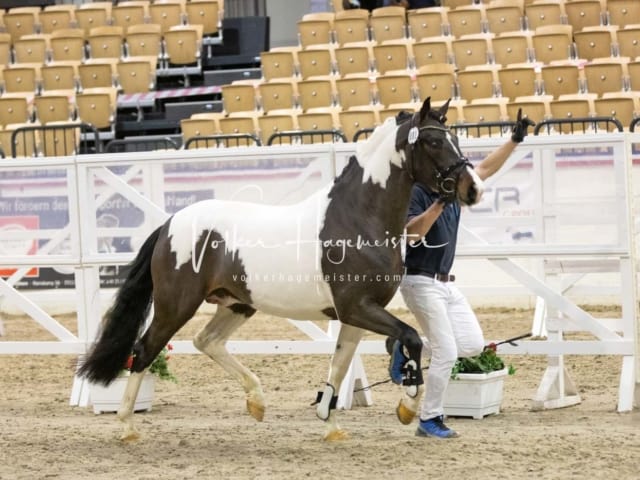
[(211, 340), (125, 412), (169, 316), (346, 346)]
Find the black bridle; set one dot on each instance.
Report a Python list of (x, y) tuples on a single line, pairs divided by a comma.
[(446, 179)]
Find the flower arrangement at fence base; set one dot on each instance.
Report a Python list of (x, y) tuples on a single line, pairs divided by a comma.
[(108, 399), (476, 385)]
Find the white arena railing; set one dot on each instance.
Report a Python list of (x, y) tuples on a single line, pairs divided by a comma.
[(556, 226)]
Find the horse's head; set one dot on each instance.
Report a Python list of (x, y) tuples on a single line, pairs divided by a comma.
[(433, 157)]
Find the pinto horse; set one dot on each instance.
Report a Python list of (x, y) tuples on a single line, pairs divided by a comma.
[(343, 245)]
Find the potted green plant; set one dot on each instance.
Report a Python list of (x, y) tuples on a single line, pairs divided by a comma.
[(108, 398), (476, 385)]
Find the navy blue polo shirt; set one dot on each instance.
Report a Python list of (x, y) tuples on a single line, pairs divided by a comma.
[(436, 251)]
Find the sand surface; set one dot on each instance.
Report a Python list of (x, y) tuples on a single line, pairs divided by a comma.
[(199, 429)]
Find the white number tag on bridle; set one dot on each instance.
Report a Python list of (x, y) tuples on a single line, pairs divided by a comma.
[(414, 133)]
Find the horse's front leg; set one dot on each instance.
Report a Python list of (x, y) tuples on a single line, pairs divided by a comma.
[(371, 316), (125, 412), (211, 340), (346, 345)]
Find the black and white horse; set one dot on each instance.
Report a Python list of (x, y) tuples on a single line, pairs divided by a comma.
[(342, 246)]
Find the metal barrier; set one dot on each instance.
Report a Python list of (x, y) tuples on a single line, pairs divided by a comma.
[(59, 140), (140, 145), (226, 140), (312, 135), (502, 128), (588, 125)]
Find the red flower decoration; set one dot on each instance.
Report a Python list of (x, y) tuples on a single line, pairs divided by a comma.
[(169, 347), (492, 346), (129, 363)]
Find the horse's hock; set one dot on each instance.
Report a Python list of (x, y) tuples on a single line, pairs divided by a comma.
[(556, 228)]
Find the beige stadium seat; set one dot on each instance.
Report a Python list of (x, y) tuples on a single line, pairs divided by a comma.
[(433, 50), (395, 89), (472, 50), (437, 81), (60, 76), (284, 121), (467, 20), (20, 21), (609, 75), (314, 32), (623, 106), (14, 108), (584, 13), (427, 22), (22, 78), (68, 45), (317, 93), (144, 40), (278, 64), (388, 23), (562, 79), (278, 95), (137, 74), (354, 59), (31, 49), (239, 98), (480, 82), (53, 107), (519, 80), (353, 92), (56, 17), (315, 62), (623, 12), (92, 15), (351, 29), (167, 13), (106, 42), (97, 73), (504, 17), (206, 13), (351, 121), (392, 57), (543, 13), (512, 47), (128, 13)]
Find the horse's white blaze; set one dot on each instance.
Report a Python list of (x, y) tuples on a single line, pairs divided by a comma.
[(455, 147), (278, 246), (477, 181), (379, 151)]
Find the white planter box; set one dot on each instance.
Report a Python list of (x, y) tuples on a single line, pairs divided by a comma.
[(475, 394), (108, 399)]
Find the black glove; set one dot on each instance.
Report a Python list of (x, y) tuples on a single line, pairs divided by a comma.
[(519, 130), (445, 198)]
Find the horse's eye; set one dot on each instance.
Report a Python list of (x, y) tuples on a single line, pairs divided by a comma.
[(435, 143)]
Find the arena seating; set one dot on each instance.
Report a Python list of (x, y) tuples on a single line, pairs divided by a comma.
[(539, 53)]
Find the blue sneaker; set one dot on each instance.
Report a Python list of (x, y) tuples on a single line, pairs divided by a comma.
[(396, 363), (434, 427)]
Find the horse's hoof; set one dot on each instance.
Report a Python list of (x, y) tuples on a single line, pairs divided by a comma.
[(255, 410), (336, 436), (405, 415), (130, 436)]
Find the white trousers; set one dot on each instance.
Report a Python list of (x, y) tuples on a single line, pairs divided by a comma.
[(451, 328)]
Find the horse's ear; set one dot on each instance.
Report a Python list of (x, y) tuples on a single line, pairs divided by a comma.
[(426, 106), (442, 113), (444, 108)]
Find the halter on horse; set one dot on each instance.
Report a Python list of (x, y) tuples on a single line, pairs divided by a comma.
[(344, 241)]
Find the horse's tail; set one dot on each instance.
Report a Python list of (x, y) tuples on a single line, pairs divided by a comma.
[(123, 321)]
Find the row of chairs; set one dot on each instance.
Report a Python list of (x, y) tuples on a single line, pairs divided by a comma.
[(180, 45), (545, 45), (19, 21), (498, 16), (129, 75), (96, 106), (479, 118)]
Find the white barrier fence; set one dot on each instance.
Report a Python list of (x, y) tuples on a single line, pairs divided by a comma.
[(554, 221)]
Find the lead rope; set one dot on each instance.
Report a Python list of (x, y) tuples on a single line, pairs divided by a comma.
[(510, 341)]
